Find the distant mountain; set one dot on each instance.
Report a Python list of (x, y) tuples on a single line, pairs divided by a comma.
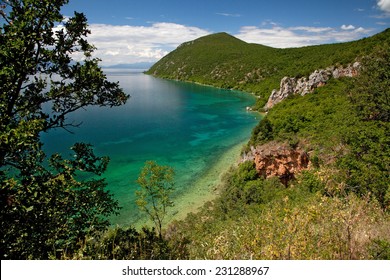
[(139, 65), (222, 60)]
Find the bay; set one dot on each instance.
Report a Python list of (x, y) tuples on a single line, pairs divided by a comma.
[(195, 129)]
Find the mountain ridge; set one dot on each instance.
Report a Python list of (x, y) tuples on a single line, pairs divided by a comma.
[(224, 61)]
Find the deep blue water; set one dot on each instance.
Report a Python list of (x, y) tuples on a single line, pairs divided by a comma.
[(184, 125)]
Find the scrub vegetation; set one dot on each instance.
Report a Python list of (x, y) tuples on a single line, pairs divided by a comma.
[(222, 60), (338, 209), (57, 207)]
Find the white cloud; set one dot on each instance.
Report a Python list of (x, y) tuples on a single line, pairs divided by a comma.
[(361, 30), (384, 5), (275, 37), (311, 29), (347, 27), (280, 37), (269, 22), (127, 44), (228, 15)]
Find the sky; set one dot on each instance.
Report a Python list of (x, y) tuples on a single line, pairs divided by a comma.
[(135, 31)]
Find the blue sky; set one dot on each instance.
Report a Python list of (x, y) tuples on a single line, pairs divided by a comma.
[(131, 31)]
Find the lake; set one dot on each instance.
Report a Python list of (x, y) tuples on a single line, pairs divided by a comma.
[(197, 130)]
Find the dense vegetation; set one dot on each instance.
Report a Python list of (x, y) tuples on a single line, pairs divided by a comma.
[(338, 209), (222, 60), (46, 208)]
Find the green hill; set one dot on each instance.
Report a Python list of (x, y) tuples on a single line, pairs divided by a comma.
[(337, 208), (224, 61)]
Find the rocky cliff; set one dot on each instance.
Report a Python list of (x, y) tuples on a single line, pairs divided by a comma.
[(290, 86), (280, 160)]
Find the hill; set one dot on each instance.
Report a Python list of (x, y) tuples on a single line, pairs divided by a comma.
[(313, 182), (314, 178), (224, 61)]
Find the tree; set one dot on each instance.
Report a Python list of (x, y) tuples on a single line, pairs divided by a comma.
[(37, 70), (371, 94), (367, 164), (262, 133), (129, 244), (45, 207), (154, 197)]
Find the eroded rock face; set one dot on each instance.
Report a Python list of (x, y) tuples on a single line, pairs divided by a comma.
[(278, 160), (303, 86)]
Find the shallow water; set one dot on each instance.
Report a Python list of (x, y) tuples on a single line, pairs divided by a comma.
[(187, 126)]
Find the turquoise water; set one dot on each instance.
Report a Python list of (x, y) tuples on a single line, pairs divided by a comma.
[(184, 125)]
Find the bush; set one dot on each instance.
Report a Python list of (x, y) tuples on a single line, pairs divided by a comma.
[(129, 244), (380, 249)]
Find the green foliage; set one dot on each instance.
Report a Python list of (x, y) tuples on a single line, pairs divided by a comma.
[(380, 249), (244, 187), (224, 61), (336, 210), (128, 244), (367, 165), (371, 94), (262, 133), (320, 119), (339, 127), (47, 212), (309, 181), (46, 209), (289, 223), (154, 197), (58, 207), (36, 71)]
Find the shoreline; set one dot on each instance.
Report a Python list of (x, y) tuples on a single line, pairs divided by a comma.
[(203, 190), (200, 84)]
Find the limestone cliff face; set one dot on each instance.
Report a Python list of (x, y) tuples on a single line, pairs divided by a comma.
[(278, 160), (304, 85)]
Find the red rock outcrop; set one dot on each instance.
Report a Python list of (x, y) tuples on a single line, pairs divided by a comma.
[(279, 160)]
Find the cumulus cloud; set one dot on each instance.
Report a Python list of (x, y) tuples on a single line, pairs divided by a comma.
[(127, 44), (347, 27), (384, 5), (280, 37)]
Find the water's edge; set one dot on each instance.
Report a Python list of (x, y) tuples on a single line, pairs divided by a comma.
[(203, 190), (197, 130)]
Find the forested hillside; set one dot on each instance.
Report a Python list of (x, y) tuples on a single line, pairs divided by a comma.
[(335, 205), (313, 181), (222, 60), (337, 208)]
